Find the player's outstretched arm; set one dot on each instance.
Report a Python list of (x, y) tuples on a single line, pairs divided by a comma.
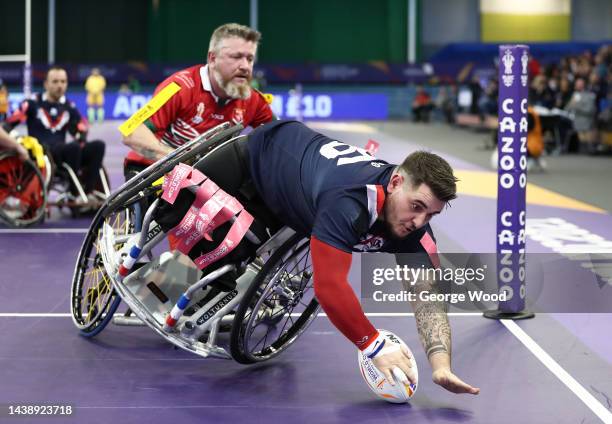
[(435, 334), (144, 142)]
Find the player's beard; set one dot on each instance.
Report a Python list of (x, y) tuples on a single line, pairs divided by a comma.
[(233, 90), (389, 231)]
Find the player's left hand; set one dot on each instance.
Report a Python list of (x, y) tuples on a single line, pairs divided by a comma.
[(445, 378)]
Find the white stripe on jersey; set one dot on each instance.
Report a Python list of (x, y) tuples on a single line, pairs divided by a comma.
[(372, 203)]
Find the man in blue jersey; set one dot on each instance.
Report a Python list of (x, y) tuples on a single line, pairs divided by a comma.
[(347, 201)]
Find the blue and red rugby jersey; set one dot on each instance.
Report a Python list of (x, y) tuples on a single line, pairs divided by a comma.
[(48, 121), (334, 193), (326, 189)]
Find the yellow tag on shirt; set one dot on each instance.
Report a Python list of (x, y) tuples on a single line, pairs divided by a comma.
[(268, 97), (149, 109)]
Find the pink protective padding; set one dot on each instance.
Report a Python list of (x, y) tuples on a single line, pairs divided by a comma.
[(234, 236), (211, 208), (216, 211), (181, 176)]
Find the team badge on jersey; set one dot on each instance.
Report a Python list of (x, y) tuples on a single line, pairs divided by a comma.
[(197, 119), (369, 243), (238, 115)]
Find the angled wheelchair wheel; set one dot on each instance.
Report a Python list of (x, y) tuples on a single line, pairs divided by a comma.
[(23, 196), (93, 299), (278, 307)]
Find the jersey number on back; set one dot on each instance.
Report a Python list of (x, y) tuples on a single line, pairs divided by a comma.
[(333, 149)]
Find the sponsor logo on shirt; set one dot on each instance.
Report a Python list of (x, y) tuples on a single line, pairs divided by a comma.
[(217, 116)]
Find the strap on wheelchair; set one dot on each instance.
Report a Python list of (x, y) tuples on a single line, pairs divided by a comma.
[(211, 208)]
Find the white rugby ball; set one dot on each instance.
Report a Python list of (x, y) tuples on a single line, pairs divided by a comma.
[(376, 381)]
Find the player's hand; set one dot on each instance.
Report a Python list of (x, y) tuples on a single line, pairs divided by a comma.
[(445, 378), (396, 357), (22, 152)]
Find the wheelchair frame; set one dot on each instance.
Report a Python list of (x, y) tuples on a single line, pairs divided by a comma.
[(189, 333)]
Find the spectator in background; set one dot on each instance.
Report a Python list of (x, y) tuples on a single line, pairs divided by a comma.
[(446, 102), (582, 107), (487, 104), (95, 86), (540, 93), (533, 68), (133, 85), (564, 94), (599, 87), (421, 105), (4, 102), (476, 91)]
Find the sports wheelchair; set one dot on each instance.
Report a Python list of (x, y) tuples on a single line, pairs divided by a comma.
[(23, 185), (28, 189), (262, 291)]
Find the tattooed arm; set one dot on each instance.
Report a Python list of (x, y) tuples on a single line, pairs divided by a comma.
[(435, 334), (144, 142)]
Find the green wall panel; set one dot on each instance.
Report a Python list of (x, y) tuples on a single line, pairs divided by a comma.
[(327, 31)]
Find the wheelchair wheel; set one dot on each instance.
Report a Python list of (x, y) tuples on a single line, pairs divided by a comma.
[(93, 299), (23, 196), (278, 307)]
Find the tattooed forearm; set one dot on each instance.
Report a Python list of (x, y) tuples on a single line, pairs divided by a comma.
[(433, 327), (431, 320)]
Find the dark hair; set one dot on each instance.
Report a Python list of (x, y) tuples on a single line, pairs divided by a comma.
[(54, 68), (427, 168)]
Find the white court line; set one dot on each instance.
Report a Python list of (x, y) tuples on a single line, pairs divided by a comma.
[(373, 314), (43, 230), (589, 400)]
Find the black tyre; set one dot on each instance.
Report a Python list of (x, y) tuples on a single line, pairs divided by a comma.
[(93, 299), (278, 306)]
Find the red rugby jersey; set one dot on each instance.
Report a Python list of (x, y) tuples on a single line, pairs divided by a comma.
[(195, 108)]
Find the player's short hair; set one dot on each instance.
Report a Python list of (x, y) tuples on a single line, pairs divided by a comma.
[(232, 30), (423, 167), (54, 68)]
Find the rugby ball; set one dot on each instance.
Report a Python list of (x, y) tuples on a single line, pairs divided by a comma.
[(376, 381)]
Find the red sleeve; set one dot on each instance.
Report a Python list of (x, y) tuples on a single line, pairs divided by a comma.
[(263, 112), (332, 289), (19, 116)]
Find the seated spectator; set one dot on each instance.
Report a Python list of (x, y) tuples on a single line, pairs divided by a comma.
[(476, 91), (4, 102), (487, 104), (446, 102), (540, 93), (421, 105), (564, 94), (582, 106)]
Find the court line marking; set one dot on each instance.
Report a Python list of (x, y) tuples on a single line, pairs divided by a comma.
[(43, 230), (587, 398), (372, 314), (570, 382)]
